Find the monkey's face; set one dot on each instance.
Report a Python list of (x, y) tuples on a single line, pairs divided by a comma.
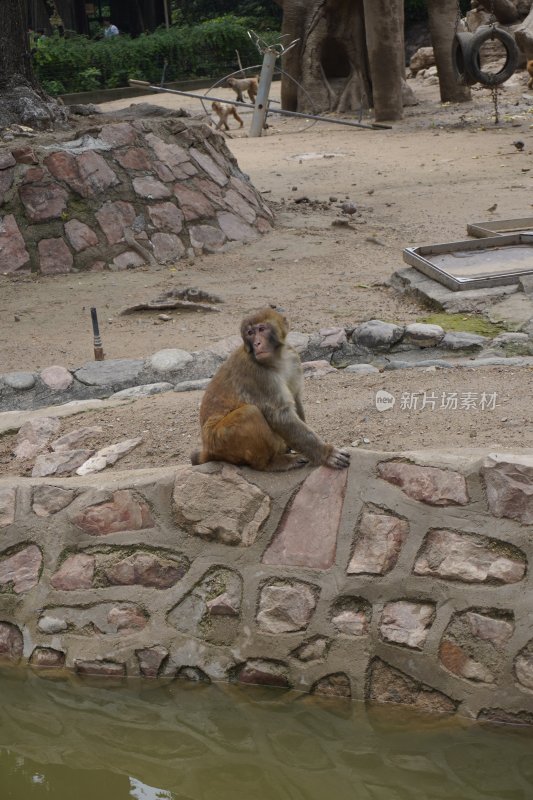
[(261, 341)]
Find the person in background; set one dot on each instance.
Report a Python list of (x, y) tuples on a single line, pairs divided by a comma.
[(110, 30)]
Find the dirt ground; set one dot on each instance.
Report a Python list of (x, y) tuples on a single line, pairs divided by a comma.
[(421, 182)]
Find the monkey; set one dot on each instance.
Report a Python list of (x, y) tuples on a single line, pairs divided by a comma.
[(240, 85), (252, 413), (223, 111), (529, 67)]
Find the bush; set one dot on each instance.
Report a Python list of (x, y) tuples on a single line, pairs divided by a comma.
[(207, 50)]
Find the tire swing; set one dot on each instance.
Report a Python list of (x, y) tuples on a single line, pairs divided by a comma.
[(466, 58)]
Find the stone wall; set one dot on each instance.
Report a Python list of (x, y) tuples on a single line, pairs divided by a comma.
[(123, 194), (404, 579)]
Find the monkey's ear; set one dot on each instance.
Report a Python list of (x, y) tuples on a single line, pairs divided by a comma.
[(281, 311)]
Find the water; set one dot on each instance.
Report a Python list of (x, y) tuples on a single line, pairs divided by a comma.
[(183, 741)]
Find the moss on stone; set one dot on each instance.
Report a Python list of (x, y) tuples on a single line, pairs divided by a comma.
[(469, 323)]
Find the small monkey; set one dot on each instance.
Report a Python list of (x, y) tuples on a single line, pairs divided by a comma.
[(223, 111), (240, 85), (252, 412), (529, 68)]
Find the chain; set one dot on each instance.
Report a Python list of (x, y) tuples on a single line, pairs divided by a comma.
[(494, 95)]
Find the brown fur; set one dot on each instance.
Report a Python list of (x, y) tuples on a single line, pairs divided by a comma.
[(223, 111), (240, 85), (252, 412)]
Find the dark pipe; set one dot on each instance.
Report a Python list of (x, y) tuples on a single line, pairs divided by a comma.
[(98, 349)]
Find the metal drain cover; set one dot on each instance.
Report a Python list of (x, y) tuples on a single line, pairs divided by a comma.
[(475, 263)]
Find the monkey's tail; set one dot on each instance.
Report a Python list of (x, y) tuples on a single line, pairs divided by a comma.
[(198, 457)]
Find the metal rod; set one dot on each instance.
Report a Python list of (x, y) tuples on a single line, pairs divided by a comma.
[(282, 111), (261, 101), (97, 342)]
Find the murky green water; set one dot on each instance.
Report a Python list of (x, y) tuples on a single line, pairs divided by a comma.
[(193, 742)]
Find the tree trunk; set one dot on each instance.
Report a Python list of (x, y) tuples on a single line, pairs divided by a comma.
[(442, 18), (524, 35), (384, 21), (349, 56), (21, 98)]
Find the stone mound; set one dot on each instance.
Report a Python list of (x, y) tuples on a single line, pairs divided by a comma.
[(123, 194)]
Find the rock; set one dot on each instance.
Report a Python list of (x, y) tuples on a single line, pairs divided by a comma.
[(148, 389), (334, 685), (379, 539), (107, 669), (456, 660), (64, 462), (490, 629), (377, 335), (15, 256), (422, 59), (19, 380), (222, 506), (127, 617), (48, 500), (263, 673), (67, 441), (307, 535), (107, 456), (509, 482), (165, 361), (315, 649), (351, 622), (76, 572), (285, 607), (50, 624), (470, 558), (33, 436), (192, 386), (47, 658), (467, 342), (11, 643), (317, 369), (361, 369), (125, 512), (57, 379), (150, 660), (437, 487), (145, 569), (114, 372), (8, 497), (21, 569), (407, 623), (423, 335)]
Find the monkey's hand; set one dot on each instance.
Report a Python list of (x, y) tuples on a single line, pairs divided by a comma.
[(338, 459)]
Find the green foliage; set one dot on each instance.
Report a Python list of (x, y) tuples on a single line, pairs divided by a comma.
[(259, 14), (206, 50)]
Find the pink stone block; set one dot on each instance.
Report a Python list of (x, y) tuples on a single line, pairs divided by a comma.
[(134, 158), (114, 219), (54, 256), (166, 217), (13, 254), (378, 545), (7, 506), (80, 235), (118, 134), (56, 378), (235, 228), (437, 487), (151, 188), (123, 513), (307, 535), (6, 181), (43, 202), (21, 570), (76, 572), (194, 204), (509, 481)]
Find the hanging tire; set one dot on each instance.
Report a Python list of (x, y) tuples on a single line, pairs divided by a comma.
[(462, 58), (473, 63)]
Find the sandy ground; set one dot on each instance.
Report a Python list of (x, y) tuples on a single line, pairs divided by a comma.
[(421, 182)]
